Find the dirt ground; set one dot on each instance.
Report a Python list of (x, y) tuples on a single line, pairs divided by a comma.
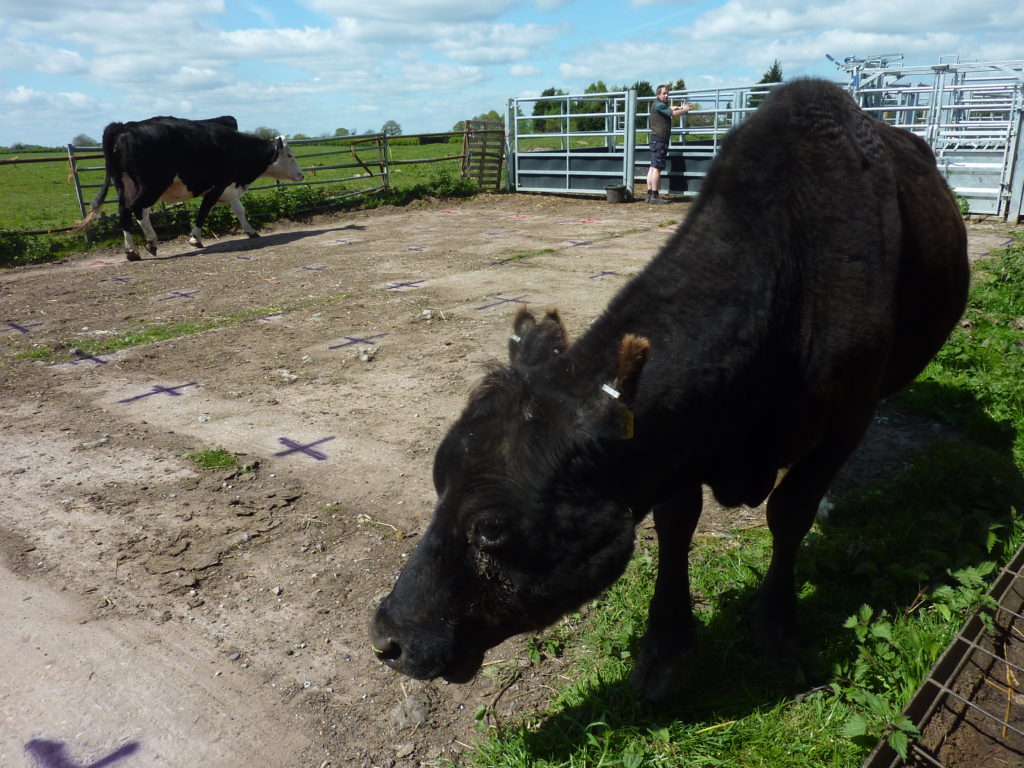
[(154, 613)]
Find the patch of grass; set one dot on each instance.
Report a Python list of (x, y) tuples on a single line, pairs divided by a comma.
[(529, 254), (40, 353), (212, 458), (151, 334), (884, 582)]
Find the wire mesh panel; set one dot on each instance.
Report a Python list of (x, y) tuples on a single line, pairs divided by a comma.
[(970, 709)]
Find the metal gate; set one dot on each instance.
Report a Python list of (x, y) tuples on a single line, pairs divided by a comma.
[(972, 115), (576, 144)]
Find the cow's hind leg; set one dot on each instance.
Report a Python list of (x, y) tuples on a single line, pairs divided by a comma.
[(669, 646), (125, 219), (792, 507), (236, 206), (147, 228)]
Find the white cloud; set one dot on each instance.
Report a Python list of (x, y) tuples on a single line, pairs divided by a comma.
[(42, 58), (494, 43), (413, 10), (524, 70)]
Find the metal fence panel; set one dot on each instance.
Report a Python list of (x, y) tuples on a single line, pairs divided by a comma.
[(971, 114)]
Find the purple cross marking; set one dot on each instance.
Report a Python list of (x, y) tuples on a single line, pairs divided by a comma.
[(356, 340), (157, 389), (53, 754), (244, 258), (180, 295), (266, 318), (19, 328), (516, 300), (82, 357), (293, 447), (602, 274), (417, 248), (413, 284), (118, 280), (312, 269)]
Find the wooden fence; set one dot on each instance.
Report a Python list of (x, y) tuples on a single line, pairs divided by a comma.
[(362, 163)]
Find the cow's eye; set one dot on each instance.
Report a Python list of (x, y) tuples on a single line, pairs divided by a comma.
[(489, 533)]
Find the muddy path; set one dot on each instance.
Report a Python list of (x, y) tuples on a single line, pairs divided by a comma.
[(160, 614)]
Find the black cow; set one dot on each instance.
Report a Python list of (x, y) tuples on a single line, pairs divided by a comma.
[(172, 159), (820, 269)]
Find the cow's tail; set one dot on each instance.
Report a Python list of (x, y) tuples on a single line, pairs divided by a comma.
[(110, 135)]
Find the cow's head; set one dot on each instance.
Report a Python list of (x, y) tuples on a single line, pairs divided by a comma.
[(530, 521), (285, 165)]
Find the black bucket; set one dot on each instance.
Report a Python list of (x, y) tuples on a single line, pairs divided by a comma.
[(616, 193)]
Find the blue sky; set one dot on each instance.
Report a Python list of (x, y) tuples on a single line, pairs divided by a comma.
[(69, 67)]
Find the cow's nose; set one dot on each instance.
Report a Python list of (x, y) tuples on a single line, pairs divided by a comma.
[(388, 651)]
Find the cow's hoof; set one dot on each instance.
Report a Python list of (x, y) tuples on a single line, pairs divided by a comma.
[(196, 242), (151, 247), (132, 256), (778, 642), (663, 669)]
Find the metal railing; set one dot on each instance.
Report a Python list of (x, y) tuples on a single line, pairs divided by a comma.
[(971, 114)]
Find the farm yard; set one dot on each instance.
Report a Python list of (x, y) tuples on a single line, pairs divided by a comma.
[(188, 614)]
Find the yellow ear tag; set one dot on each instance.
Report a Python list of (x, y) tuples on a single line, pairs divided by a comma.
[(627, 424)]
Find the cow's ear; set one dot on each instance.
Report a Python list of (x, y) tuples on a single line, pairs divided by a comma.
[(279, 143), (533, 342), (629, 364)]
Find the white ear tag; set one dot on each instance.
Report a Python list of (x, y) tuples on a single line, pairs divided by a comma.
[(516, 338), (627, 428)]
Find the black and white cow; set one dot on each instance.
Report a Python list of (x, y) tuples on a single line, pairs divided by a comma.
[(173, 159), (821, 268)]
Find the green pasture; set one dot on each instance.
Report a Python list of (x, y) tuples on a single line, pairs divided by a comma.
[(886, 580), (35, 196)]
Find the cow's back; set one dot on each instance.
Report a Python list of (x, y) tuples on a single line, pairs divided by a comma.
[(934, 269), (826, 240), (822, 266), (203, 153)]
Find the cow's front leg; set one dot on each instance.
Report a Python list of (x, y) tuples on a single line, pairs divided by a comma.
[(209, 200), (669, 646)]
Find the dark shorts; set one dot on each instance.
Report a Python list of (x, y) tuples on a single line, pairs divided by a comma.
[(659, 151)]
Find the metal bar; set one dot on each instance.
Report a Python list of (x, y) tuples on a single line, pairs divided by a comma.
[(920, 752), (17, 160), (974, 706)]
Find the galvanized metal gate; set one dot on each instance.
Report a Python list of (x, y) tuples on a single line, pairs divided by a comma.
[(972, 114)]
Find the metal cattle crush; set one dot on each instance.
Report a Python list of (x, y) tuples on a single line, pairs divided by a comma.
[(972, 115)]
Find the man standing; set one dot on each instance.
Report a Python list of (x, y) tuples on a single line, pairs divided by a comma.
[(661, 126)]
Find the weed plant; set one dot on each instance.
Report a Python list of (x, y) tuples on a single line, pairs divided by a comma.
[(886, 579), (213, 458)]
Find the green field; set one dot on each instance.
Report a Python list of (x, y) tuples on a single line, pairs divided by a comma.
[(35, 196)]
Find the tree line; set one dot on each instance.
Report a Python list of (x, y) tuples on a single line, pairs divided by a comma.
[(542, 123), (541, 111)]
